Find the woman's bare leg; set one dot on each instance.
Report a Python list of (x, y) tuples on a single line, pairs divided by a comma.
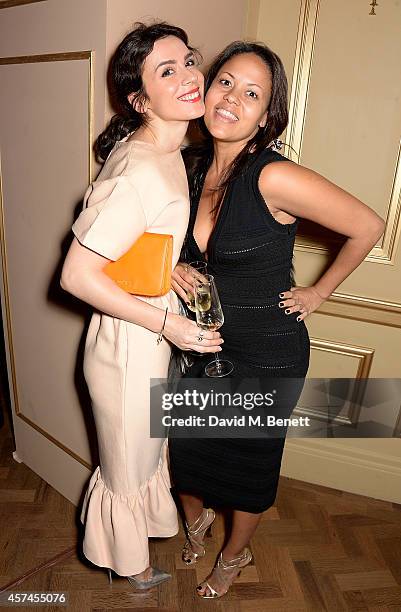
[(243, 527), (192, 506)]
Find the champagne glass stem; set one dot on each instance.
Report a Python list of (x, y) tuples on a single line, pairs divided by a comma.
[(218, 364)]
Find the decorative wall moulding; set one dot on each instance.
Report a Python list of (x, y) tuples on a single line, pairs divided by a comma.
[(54, 441), (362, 353), (10, 3), (46, 57), (66, 57), (385, 251), (360, 308), (364, 356), (302, 68), (34, 59)]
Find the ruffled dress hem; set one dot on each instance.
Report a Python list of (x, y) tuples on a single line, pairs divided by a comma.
[(117, 527)]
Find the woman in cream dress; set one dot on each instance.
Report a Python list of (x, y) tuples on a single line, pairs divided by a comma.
[(142, 187)]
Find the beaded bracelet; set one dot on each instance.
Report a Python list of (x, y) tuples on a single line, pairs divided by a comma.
[(160, 334)]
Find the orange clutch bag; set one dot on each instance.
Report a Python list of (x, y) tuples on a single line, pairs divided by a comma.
[(146, 268)]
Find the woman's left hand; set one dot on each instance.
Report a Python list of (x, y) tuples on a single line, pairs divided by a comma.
[(182, 281), (300, 299)]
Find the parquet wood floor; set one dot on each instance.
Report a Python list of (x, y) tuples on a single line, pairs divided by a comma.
[(316, 549)]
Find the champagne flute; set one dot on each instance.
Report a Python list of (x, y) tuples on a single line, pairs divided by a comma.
[(197, 269), (209, 316)]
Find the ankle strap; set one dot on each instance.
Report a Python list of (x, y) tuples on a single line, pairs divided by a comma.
[(233, 562), (192, 530)]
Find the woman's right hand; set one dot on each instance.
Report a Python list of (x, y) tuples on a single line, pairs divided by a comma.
[(185, 334), (182, 281)]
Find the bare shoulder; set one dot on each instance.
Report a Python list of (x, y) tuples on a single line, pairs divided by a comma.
[(281, 176), (303, 193)]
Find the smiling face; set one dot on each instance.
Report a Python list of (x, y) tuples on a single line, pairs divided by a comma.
[(238, 98), (172, 81)]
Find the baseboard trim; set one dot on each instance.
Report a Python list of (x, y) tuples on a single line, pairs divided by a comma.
[(340, 466), (56, 467)]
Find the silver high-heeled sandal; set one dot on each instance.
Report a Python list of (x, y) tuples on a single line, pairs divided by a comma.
[(158, 576), (195, 535), (225, 572)]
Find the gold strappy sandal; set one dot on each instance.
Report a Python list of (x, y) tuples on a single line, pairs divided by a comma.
[(225, 572), (195, 536)]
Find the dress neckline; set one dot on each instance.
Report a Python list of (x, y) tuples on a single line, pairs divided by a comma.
[(217, 226), (143, 143)]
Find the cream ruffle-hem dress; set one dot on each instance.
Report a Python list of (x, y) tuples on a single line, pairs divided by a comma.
[(128, 500)]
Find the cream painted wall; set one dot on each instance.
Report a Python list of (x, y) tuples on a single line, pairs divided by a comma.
[(350, 126)]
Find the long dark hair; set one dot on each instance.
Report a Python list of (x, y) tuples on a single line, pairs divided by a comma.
[(198, 157), (125, 77)]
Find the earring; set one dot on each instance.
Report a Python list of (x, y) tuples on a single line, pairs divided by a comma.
[(276, 144)]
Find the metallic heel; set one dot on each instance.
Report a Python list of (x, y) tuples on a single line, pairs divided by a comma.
[(226, 572), (202, 528), (158, 576)]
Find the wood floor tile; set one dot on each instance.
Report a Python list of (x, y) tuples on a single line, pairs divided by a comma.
[(359, 581), (390, 596)]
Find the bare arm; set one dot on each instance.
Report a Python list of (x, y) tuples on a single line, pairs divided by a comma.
[(300, 192), (83, 276)]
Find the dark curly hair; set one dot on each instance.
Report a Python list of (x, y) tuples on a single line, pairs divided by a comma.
[(126, 77)]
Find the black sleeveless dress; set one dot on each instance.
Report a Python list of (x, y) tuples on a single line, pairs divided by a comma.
[(250, 256)]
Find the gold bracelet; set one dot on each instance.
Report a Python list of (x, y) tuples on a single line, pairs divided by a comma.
[(160, 334)]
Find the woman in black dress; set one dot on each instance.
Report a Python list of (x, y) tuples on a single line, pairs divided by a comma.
[(245, 210)]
